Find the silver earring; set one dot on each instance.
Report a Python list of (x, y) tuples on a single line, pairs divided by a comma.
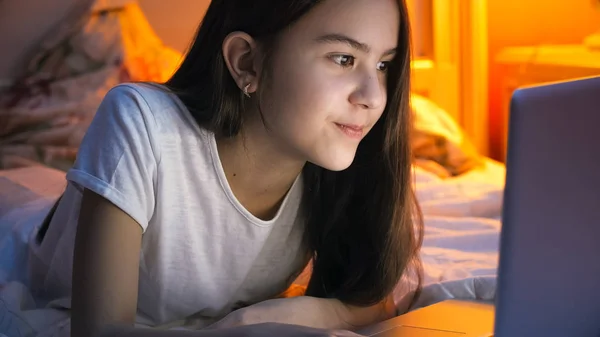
[(246, 88)]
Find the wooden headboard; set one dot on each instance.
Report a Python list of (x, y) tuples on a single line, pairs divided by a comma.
[(176, 21), (451, 61)]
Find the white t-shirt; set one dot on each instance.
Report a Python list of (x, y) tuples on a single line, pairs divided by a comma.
[(203, 254)]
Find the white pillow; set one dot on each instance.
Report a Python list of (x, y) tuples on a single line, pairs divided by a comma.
[(431, 119), (439, 144)]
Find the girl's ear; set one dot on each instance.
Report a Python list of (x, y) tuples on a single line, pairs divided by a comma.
[(240, 53)]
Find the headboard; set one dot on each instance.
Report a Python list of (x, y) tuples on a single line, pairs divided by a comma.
[(450, 60)]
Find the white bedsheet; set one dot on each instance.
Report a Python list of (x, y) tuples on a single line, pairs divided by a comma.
[(462, 228), (459, 251)]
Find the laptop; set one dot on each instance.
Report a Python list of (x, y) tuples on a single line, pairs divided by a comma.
[(549, 266)]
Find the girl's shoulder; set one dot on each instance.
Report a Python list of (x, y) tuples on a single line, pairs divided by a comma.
[(153, 96), (157, 104)]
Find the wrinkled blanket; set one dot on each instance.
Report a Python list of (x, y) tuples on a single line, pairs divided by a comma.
[(462, 217)]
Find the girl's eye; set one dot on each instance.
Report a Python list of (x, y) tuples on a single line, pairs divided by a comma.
[(383, 66), (345, 61)]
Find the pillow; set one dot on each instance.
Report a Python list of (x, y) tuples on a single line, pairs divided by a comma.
[(19, 38), (438, 142)]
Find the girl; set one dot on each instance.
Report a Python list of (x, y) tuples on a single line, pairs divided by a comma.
[(283, 137)]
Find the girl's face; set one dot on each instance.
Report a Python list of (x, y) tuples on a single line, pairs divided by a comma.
[(327, 84)]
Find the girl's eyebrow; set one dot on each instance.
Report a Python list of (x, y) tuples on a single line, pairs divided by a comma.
[(341, 38)]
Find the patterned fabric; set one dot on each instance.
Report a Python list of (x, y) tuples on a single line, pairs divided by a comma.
[(44, 116)]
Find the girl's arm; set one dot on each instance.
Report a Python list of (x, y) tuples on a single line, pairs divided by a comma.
[(257, 330), (106, 271), (105, 267), (353, 316), (311, 312)]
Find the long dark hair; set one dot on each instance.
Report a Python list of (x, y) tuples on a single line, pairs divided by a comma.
[(363, 225)]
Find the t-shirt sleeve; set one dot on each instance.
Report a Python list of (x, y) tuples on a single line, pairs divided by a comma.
[(118, 157)]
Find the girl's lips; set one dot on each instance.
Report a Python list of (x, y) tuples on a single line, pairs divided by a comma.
[(352, 131)]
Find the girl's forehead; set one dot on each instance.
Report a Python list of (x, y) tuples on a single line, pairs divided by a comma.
[(374, 22), (357, 12)]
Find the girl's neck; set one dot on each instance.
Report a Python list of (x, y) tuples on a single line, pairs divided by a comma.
[(258, 171)]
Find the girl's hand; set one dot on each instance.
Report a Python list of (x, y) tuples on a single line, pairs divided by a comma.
[(309, 311), (278, 329), (305, 311)]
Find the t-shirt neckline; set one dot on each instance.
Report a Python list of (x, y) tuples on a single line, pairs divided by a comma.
[(211, 142)]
